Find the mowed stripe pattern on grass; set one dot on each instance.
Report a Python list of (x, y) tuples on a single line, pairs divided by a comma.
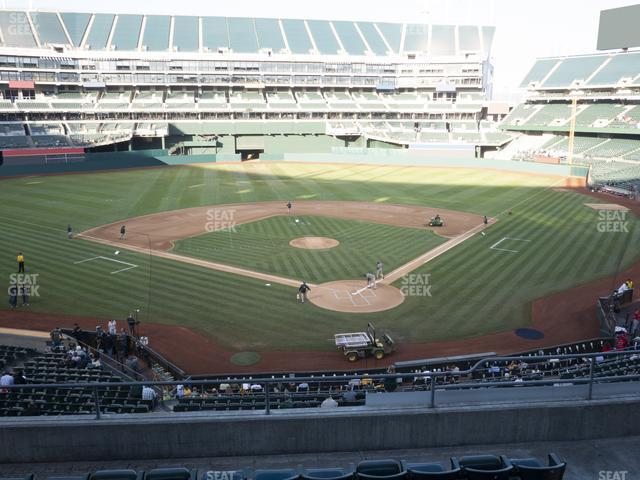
[(264, 246), (474, 290), (476, 284)]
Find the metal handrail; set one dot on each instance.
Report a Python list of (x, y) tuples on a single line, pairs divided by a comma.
[(327, 379), (431, 376), (120, 367)]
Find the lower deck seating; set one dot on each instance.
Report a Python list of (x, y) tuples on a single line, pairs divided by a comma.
[(257, 401), (54, 368), (10, 354)]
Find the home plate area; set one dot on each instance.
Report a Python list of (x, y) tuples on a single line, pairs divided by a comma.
[(359, 298), (352, 296)]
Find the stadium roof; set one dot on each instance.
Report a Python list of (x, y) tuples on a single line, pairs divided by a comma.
[(595, 70), (158, 33)]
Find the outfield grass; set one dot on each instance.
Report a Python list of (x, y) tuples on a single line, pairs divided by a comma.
[(264, 246), (475, 290)]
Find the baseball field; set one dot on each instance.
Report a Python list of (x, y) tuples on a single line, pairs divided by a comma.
[(213, 250)]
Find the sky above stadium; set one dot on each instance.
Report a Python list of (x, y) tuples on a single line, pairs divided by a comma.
[(524, 30)]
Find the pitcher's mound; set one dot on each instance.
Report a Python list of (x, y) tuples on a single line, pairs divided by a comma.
[(314, 243), (352, 296)]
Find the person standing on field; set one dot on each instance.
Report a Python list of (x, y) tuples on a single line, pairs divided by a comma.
[(24, 292), (379, 272), (13, 296), (69, 232), (131, 321), (371, 280), (20, 262), (123, 232), (302, 291)]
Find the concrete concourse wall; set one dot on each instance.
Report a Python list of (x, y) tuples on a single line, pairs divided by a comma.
[(122, 437)]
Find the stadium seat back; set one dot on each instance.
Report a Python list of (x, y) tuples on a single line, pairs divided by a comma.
[(379, 468), (178, 473), (528, 470), (326, 474), (430, 471), (116, 475), (481, 462), (499, 474), (395, 476), (280, 474)]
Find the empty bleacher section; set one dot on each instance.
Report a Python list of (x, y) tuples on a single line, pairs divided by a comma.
[(597, 95), (343, 71), (598, 115), (10, 354)]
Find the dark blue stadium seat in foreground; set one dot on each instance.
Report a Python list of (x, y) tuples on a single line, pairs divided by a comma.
[(326, 474), (178, 473), (427, 471), (70, 477), (280, 474), (532, 469), (395, 476), (484, 467), (116, 475), (379, 468)]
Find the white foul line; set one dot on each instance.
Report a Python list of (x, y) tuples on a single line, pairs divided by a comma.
[(130, 267), (358, 292), (350, 296), (495, 245)]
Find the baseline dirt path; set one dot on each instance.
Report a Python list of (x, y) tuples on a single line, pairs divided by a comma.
[(158, 231), (433, 253)]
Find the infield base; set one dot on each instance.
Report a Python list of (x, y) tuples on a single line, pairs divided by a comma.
[(352, 296)]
